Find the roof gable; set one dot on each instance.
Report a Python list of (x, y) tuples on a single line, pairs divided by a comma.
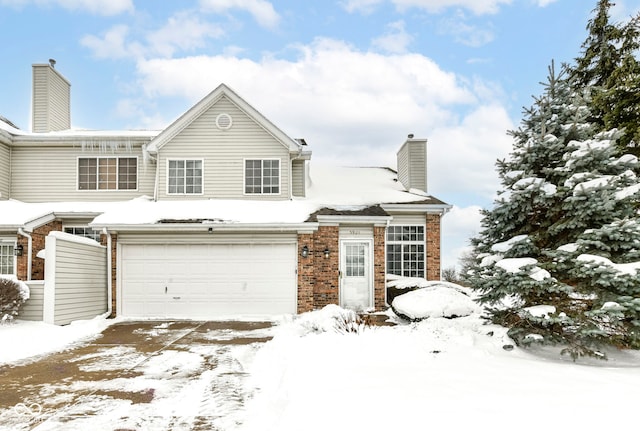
[(205, 104)]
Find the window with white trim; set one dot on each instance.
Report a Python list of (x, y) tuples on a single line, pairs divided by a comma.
[(107, 173), (7, 258), (262, 176), (83, 231), (184, 177), (405, 251)]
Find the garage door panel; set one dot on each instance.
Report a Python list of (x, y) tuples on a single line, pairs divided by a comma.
[(205, 281)]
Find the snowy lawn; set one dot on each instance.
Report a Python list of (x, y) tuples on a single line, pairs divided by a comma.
[(450, 373), (440, 372)]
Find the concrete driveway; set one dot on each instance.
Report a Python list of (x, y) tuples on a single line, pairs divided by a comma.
[(149, 375)]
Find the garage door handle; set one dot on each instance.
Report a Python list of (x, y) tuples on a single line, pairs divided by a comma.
[(176, 297), (165, 289)]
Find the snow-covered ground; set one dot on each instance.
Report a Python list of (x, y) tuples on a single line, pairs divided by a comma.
[(22, 339), (454, 373)]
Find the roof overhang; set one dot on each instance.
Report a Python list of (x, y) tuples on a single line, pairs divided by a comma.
[(301, 228), (417, 208), (353, 219), (89, 140)]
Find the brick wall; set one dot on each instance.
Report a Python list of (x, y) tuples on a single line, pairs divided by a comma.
[(319, 276), (38, 236), (326, 270), (433, 247), (306, 276), (379, 270)]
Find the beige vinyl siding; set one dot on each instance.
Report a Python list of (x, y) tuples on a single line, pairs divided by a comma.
[(223, 153), (32, 309), (298, 176), (412, 165), (44, 174), (51, 100), (5, 171), (403, 165), (79, 282), (418, 166)]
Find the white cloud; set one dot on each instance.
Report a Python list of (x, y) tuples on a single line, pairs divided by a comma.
[(545, 3), (462, 156), (261, 10), (621, 12), (395, 40), (362, 6), (458, 226), (478, 7), (96, 7), (183, 31), (464, 33), (113, 44)]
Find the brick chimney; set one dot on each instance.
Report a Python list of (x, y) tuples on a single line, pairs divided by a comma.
[(412, 164), (51, 99)]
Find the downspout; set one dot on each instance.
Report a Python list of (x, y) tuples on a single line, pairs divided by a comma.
[(291, 172), (29, 251), (155, 186), (444, 211), (386, 301), (109, 270)]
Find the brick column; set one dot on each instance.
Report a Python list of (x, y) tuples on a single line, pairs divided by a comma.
[(379, 270), (306, 279), (433, 246), (326, 269)]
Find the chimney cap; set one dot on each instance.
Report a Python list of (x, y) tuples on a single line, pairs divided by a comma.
[(52, 62), (410, 136)]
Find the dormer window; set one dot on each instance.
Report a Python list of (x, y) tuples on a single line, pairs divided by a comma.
[(262, 176)]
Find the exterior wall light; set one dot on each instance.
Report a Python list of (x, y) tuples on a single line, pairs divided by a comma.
[(305, 252), (326, 252), (18, 250)]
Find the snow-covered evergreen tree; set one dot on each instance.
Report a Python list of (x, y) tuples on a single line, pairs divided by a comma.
[(609, 68), (558, 259)]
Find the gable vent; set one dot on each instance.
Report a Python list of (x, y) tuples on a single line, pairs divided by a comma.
[(223, 121)]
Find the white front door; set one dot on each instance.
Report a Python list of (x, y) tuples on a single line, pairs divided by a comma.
[(356, 287)]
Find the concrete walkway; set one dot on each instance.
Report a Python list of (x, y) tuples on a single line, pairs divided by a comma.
[(149, 375)]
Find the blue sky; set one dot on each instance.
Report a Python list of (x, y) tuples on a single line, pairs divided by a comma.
[(353, 77)]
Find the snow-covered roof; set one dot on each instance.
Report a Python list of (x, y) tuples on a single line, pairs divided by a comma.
[(15, 214), (77, 133), (343, 189)]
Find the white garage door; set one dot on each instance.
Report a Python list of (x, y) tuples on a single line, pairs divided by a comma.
[(207, 281)]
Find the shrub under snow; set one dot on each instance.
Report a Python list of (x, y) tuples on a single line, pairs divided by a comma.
[(13, 293), (433, 299)]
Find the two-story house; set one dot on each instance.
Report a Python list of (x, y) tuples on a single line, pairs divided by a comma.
[(219, 214)]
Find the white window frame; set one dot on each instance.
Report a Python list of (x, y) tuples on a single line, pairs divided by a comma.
[(98, 189), (404, 270), (244, 176), (10, 245), (95, 236), (185, 185)]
